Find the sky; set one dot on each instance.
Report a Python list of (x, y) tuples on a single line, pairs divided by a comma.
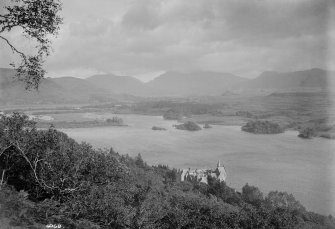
[(145, 38)]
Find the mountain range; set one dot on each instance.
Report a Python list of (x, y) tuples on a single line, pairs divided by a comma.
[(109, 87), (194, 83), (63, 90), (299, 80), (119, 84)]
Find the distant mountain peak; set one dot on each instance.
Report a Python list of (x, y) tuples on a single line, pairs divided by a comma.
[(310, 79), (174, 83), (119, 84)]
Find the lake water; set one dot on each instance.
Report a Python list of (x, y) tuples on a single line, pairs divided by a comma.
[(283, 162)]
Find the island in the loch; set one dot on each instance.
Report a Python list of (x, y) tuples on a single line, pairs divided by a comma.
[(311, 131), (189, 125), (114, 121), (262, 127), (207, 126), (158, 128)]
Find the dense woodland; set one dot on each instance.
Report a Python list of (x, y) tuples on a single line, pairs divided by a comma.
[(47, 177)]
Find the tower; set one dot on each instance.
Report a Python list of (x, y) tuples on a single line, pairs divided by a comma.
[(221, 172)]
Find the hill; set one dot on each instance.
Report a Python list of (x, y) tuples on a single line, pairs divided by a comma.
[(76, 84), (112, 88), (120, 84), (51, 91), (195, 83), (308, 80)]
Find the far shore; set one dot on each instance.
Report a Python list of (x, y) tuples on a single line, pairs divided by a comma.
[(226, 120), (72, 125)]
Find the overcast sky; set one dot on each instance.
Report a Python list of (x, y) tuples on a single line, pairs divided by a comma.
[(147, 37)]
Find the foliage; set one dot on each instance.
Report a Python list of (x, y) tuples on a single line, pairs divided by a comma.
[(283, 200), (246, 114), (37, 20), (207, 126), (189, 125), (49, 162), (317, 128), (80, 187), (115, 120), (252, 195), (262, 127), (307, 132), (172, 114), (17, 210), (158, 128)]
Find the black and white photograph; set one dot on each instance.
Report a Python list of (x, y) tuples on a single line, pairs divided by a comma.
[(167, 114)]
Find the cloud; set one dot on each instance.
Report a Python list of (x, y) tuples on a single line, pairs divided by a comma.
[(264, 19), (142, 15), (144, 36)]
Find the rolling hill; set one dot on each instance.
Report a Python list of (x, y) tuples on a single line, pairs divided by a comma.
[(110, 88), (120, 84), (51, 91), (312, 79), (196, 83)]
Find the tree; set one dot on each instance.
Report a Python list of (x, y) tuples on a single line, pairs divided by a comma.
[(14, 162), (262, 127), (307, 132), (221, 190), (139, 161), (37, 20), (283, 200), (252, 195), (189, 125), (48, 163)]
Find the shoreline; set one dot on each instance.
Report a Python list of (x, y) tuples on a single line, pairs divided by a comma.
[(76, 125)]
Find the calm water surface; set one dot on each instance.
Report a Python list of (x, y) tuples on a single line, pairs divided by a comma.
[(281, 162)]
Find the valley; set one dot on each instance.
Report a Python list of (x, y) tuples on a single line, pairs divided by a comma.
[(167, 114), (281, 164)]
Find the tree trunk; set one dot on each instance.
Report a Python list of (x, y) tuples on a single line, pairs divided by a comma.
[(2, 177)]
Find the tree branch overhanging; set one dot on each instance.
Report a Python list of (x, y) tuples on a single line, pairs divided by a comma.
[(12, 47), (38, 19), (33, 166)]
